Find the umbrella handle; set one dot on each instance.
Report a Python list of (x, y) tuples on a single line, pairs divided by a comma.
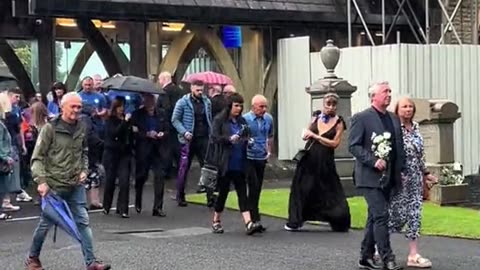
[(55, 234)]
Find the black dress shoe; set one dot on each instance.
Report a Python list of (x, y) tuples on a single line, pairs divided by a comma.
[(125, 215), (158, 213), (392, 265), (368, 264), (261, 228), (106, 211), (138, 209), (182, 203)]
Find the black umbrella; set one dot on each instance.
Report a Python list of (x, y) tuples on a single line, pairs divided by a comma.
[(131, 84)]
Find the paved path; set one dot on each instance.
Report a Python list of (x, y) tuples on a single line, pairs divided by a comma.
[(183, 241)]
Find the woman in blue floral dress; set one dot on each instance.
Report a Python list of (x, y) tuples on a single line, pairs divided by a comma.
[(406, 207)]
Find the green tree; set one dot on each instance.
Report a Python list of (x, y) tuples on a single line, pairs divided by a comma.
[(23, 49)]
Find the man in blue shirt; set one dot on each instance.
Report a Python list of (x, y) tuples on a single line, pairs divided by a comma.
[(260, 124), (94, 105), (92, 101)]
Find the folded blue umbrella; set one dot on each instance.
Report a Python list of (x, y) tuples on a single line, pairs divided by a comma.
[(56, 210)]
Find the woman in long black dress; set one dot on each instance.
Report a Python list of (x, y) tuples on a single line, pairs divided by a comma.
[(316, 193)]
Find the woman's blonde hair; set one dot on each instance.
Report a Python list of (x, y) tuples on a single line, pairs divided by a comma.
[(5, 104)]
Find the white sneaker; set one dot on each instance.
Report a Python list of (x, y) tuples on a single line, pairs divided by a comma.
[(10, 207), (24, 197), (290, 229)]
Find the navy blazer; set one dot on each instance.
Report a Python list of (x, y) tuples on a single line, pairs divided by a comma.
[(364, 124)]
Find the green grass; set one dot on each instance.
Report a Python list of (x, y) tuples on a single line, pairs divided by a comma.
[(440, 221)]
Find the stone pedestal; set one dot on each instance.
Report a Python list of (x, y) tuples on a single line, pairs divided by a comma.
[(436, 118), (330, 55)]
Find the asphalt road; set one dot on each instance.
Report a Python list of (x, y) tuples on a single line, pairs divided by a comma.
[(183, 241)]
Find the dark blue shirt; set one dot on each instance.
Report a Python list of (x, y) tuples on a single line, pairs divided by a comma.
[(53, 109), (92, 101), (13, 121), (238, 154), (152, 123)]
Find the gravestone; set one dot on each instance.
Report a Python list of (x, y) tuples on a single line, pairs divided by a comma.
[(329, 83), (436, 118)]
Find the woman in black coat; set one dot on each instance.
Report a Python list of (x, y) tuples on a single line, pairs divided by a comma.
[(228, 147), (117, 155)]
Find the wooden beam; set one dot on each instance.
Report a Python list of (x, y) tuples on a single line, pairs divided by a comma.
[(101, 46), (16, 68)]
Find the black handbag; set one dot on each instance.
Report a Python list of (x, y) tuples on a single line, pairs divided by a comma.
[(208, 177), (302, 153), (5, 168), (209, 172)]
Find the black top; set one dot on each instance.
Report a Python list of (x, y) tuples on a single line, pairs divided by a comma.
[(118, 135), (201, 125), (388, 125)]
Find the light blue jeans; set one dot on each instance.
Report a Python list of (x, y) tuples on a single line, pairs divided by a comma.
[(77, 201)]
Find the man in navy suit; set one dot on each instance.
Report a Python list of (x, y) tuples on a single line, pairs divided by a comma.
[(377, 179)]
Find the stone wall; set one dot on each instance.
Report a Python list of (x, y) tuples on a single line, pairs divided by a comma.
[(463, 21)]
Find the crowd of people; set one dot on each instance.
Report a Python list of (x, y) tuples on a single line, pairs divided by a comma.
[(82, 140)]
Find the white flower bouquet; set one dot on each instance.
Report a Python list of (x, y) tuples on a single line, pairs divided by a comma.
[(381, 147)]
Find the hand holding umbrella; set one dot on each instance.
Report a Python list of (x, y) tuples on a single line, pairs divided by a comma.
[(43, 189)]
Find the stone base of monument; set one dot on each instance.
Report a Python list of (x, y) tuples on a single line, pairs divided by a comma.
[(345, 171), (449, 194), (473, 182)]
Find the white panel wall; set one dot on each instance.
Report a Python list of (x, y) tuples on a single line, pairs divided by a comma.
[(293, 101), (420, 71)]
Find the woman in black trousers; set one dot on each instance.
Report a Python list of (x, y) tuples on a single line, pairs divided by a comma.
[(117, 154), (228, 151)]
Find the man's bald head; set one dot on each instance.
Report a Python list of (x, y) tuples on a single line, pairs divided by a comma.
[(259, 105), (164, 78), (229, 90)]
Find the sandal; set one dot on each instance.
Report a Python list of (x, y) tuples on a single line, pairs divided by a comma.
[(4, 216), (217, 227), (419, 262)]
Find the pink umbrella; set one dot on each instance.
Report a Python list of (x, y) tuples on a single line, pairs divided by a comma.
[(210, 78)]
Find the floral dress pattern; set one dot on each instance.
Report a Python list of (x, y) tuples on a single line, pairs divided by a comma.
[(406, 206)]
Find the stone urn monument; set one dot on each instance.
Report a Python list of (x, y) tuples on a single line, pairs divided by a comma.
[(330, 56)]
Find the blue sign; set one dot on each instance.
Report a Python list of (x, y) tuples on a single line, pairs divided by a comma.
[(232, 36)]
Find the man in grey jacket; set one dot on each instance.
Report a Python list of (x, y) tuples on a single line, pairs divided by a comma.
[(192, 118), (377, 179)]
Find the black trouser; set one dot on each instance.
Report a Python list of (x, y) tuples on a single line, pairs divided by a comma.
[(146, 159), (116, 165), (255, 172), (238, 179), (376, 230)]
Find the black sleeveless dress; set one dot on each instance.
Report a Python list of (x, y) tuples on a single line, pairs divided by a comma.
[(316, 193)]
